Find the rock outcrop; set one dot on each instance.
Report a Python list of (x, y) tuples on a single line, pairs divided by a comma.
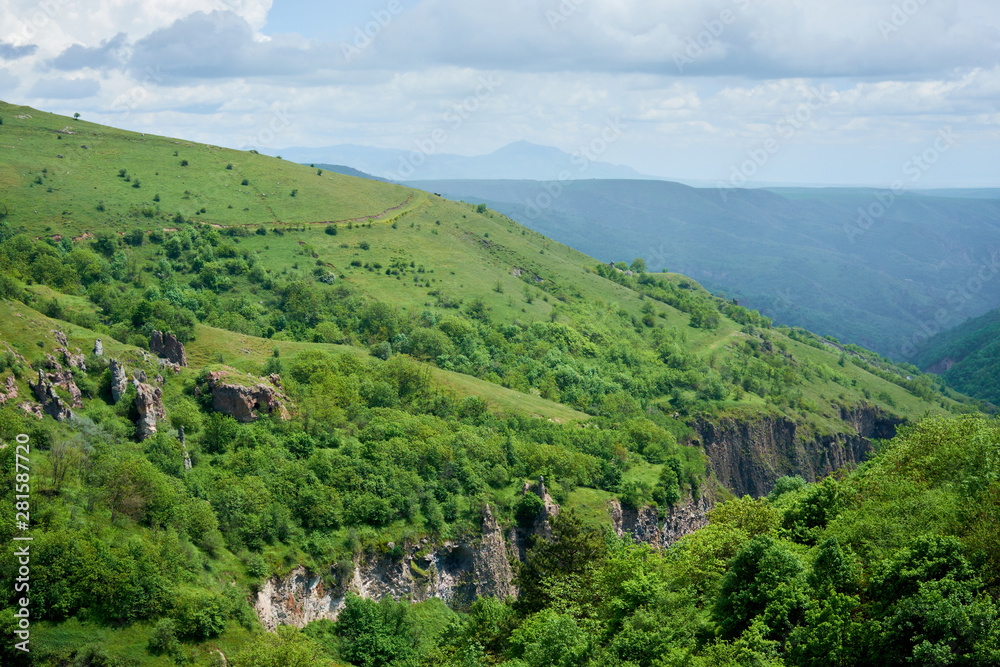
[(149, 406), (748, 456), (73, 360), (457, 572), (98, 348), (9, 392), (167, 346), (645, 526), (119, 381), (243, 402), (51, 403)]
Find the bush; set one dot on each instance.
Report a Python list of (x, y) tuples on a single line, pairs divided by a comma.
[(200, 615)]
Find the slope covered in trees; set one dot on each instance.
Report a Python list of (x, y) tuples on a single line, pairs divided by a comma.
[(361, 391)]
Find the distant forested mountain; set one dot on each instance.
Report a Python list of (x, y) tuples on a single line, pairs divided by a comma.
[(866, 266)]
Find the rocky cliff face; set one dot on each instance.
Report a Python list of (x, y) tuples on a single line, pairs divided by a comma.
[(648, 526), (748, 456), (243, 402), (167, 346), (457, 572)]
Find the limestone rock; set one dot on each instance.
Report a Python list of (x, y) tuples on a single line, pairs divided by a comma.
[(748, 455), (644, 525), (149, 405), (50, 401), (9, 392), (167, 346), (98, 348), (119, 381), (33, 409), (456, 571), (245, 402), (74, 360)]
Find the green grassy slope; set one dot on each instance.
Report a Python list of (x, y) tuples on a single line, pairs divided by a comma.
[(56, 171), (434, 360), (800, 256)]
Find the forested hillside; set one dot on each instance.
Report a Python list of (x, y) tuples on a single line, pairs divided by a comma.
[(864, 265), (967, 357), (314, 419)]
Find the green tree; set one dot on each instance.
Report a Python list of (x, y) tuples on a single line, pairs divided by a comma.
[(761, 579), (375, 634)]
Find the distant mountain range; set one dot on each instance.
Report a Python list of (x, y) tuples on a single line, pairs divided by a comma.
[(519, 160), (846, 262)]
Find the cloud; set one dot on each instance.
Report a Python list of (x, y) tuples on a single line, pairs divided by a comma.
[(751, 38), (62, 88), (11, 52), (110, 53), (8, 81), (221, 45)]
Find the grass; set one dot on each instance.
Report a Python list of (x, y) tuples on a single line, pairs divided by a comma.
[(79, 174)]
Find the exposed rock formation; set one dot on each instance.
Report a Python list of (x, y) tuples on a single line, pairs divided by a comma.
[(149, 405), (243, 402), (61, 338), (98, 348), (119, 381), (33, 409), (457, 572), (749, 456), (9, 392), (166, 345), (644, 525), (187, 457), (50, 401), (73, 360), (541, 526)]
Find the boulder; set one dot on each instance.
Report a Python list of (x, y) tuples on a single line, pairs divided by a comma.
[(244, 403), (98, 348), (167, 346)]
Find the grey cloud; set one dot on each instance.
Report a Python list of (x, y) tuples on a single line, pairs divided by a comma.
[(217, 46), (109, 54), (11, 52), (760, 39), (64, 89)]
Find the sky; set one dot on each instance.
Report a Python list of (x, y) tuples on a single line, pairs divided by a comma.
[(730, 92)]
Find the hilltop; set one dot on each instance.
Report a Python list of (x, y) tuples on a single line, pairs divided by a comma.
[(387, 395)]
